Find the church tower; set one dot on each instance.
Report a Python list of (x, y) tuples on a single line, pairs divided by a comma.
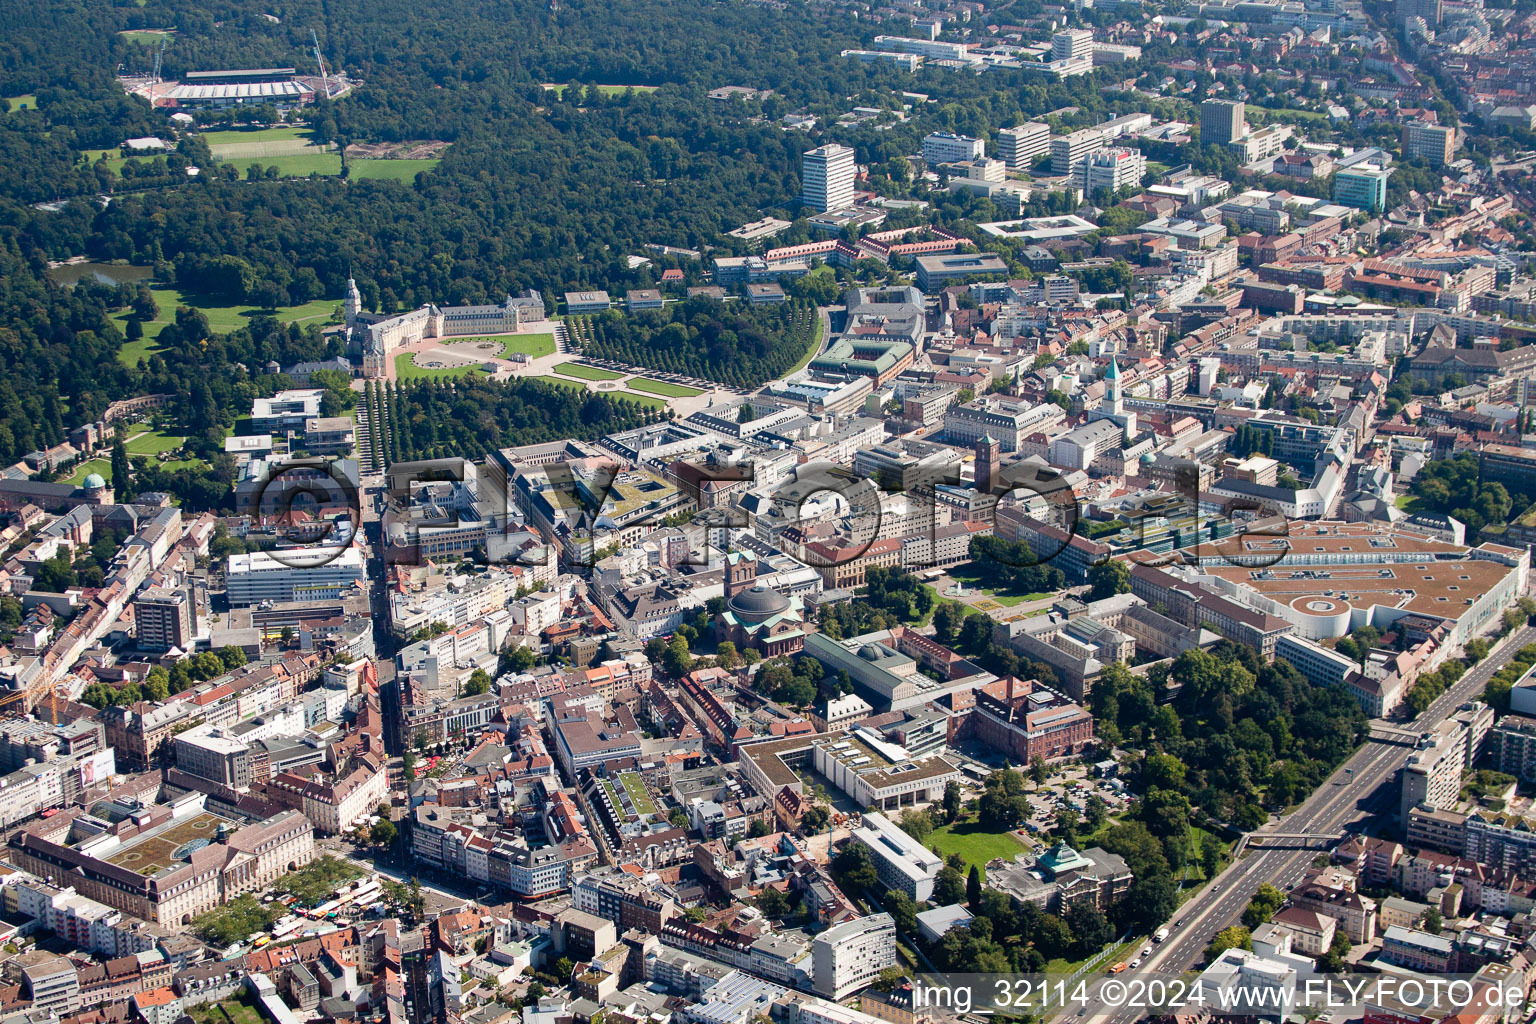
[(740, 572), (1114, 405)]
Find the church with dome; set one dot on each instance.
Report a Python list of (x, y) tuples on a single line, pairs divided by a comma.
[(755, 615)]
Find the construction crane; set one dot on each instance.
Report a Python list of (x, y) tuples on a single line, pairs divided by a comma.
[(32, 697)]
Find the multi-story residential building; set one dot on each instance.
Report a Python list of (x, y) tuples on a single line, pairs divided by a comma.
[(850, 956), (902, 862), (827, 175), (949, 148), (1018, 146), (164, 618), (1221, 122), (1432, 775), (1355, 914), (1434, 143), (1512, 745), (1072, 44), (1502, 840), (1416, 950)]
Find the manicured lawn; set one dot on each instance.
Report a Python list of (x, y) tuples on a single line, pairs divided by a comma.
[(1009, 600), (530, 345), (559, 382), (395, 170), (406, 368), (26, 100), (968, 574), (654, 403), (661, 387), (1408, 502), (222, 317), (102, 466), (606, 90), (974, 845), (152, 442), (586, 372)]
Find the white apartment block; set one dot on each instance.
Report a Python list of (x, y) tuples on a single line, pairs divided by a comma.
[(1073, 44), (827, 174), (850, 956), (1019, 146), (949, 148)]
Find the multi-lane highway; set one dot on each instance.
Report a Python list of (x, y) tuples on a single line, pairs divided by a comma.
[(1364, 785)]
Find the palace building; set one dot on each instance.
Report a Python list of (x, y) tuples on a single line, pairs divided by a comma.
[(375, 338)]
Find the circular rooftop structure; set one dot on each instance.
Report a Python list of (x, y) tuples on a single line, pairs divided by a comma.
[(94, 482), (758, 603)]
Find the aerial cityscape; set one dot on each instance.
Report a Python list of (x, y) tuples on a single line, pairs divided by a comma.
[(768, 512)]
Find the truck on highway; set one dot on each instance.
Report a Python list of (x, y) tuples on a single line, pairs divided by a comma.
[(1162, 933)]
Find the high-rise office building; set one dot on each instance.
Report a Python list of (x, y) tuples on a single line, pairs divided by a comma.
[(1074, 42), (1019, 146), (1221, 122), (1435, 143), (1363, 186), (1068, 151), (164, 618), (826, 177)]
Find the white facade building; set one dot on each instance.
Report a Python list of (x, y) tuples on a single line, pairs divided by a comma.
[(826, 176), (949, 148)]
